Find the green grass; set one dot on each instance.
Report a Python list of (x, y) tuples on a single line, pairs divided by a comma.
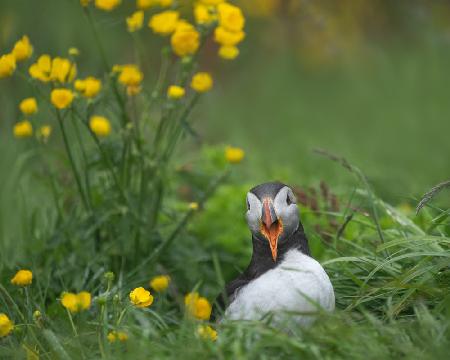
[(392, 296)]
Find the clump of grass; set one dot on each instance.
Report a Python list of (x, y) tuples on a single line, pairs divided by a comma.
[(392, 299)]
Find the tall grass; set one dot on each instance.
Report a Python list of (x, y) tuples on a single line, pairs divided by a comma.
[(393, 296)]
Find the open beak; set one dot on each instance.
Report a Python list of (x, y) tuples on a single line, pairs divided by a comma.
[(271, 226)]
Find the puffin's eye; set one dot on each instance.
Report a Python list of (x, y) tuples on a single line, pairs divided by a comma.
[(248, 205), (288, 200)]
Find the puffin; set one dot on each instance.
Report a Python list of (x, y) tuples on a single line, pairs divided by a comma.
[(282, 282)]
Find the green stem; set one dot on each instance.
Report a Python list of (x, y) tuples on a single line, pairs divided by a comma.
[(168, 241), (105, 157), (8, 296), (121, 316), (96, 37), (121, 102), (100, 332), (142, 195), (165, 63), (72, 324), (84, 155), (51, 176), (179, 128), (72, 160), (75, 332)]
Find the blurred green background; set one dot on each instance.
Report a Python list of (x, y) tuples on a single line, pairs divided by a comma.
[(364, 79)]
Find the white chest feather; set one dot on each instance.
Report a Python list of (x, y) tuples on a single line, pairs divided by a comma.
[(298, 286)]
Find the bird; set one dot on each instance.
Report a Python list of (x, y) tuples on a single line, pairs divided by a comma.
[(282, 282)]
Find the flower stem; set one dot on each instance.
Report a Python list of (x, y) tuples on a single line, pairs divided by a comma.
[(100, 332), (72, 324), (181, 224), (85, 159), (97, 37), (121, 316), (71, 159), (75, 333)]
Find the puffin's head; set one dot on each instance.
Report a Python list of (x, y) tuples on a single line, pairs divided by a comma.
[(272, 214)]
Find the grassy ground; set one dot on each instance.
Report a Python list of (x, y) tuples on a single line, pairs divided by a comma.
[(385, 112), (392, 291)]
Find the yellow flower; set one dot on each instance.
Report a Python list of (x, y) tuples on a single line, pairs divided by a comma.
[(207, 332), (130, 75), (58, 69), (203, 309), (164, 23), (37, 315), (6, 325), (225, 37), (234, 155), (22, 278), (7, 65), (107, 5), (85, 2), (165, 3), (44, 132), (41, 69), (230, 17), (73, 51), (160, 283), (193, 206), (61, 98), (203, 14), (76, 302), (28, 106), (100, 125), (22, 49), (191, 298), (135, 21), (202, 82), (62, 70), (141, 297), (145, 4), (84, 300), (185, 40), (23, 129), (70, 302), (197, 306), (88, 87), (211, 2), (175, 92), (228, 52), (113, 336)]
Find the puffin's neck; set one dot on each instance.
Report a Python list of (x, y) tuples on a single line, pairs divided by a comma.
[(262, 257)]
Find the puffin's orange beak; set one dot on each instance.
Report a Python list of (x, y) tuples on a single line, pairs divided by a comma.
[(271, 226)]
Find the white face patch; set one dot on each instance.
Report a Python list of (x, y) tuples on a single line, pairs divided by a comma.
[(285, 205), (254, 210), (285, 208)]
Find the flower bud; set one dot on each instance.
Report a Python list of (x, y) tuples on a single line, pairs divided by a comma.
[(109, 276), (101, 300)]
